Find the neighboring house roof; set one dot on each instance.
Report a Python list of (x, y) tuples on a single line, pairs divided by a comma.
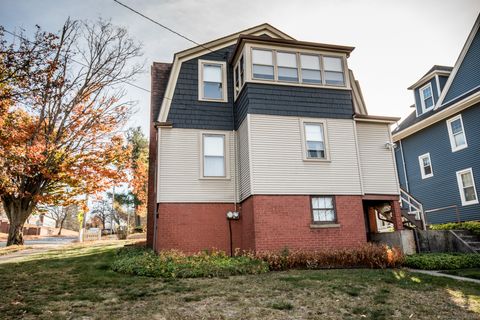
[(435, 70), (444, 109)]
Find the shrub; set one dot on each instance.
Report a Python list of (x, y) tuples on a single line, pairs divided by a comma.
[(443, 261), (175, 264), (473, 226), (366, 256)]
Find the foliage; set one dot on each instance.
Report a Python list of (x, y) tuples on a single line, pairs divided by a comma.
[(473, 226), (174, 264), (366, 256), (60, 113), (443, 261)]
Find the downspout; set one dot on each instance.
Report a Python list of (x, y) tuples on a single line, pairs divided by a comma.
[(155, 210), (404, 167)]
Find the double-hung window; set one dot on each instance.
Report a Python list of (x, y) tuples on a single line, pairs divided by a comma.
[(456, 133), (212, 81), (466, 186), (425, 165), (426, 97), (263, 64), (239, 75), (287, 66), (311, 72), (333, 70), (214, 164), (315, 141), (323, 210)]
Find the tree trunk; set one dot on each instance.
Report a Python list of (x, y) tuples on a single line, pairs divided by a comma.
[(61, 227), (18, 210)]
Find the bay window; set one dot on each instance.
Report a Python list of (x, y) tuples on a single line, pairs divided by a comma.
[(333, 71), (263, 67), (310, 66), (287, 66)]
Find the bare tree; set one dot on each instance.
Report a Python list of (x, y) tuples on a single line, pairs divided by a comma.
[(60, 214)]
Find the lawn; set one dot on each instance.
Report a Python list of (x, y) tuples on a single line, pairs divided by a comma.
[(468, 273), (77, 283)]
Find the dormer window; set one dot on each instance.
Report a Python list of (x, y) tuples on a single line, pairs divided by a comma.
[(310, 65), (333, 71), (426, 97), (287, 66), (212, 84), (262, 64)]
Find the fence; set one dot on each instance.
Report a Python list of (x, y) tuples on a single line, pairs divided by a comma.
[(91, 234)]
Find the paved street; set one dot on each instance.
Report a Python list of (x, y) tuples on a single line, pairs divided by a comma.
[(46, 241)]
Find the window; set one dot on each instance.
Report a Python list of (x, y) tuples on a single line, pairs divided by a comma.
[(456, 133), (310, 68), (323, 210), (239, 75), (426, 97), (287, 66), (333, 70), (262, 64), (466, 186), (315, 147), (212, 81), (214, 155), (425, 165)]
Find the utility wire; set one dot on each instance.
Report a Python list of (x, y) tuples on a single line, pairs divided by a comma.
[(168, 28), (76, 61)]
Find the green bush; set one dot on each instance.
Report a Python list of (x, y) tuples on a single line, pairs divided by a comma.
[(443, 261), (473, 226), (366, 256), (174, 264)]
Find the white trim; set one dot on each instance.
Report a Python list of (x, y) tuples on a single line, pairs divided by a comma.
[(250, 154), (437, 82), (461, 187), (452, 138), (428, 77), (359, 162), (223, 65), (226, 155), (422, 97), (459, 62), (404, 167), (324, 125), (394, 161), (438, 116), (422, 167)]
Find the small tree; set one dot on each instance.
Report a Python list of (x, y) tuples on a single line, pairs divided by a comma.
[(61, 110)]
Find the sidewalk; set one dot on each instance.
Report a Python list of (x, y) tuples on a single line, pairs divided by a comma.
[(439, 274)]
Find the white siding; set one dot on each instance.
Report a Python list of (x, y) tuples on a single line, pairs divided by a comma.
[(277, 160), (377, 162), (179, 169), (244, 161)]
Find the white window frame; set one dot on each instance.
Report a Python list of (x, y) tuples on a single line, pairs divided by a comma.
[(460, 187), (274, 64), (236, 75), (324, 124), (422, 167), (226, 156), (223, 65), (451, 136), (324, 80), (334, 209), (422, 98)]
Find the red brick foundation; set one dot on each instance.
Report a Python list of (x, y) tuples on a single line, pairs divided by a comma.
[(267, 223)]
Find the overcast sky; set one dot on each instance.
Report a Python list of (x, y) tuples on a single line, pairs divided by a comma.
[(396, 41)]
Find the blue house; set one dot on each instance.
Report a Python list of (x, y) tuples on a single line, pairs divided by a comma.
[(438, 145)]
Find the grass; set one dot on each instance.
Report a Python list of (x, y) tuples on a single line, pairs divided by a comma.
[(12, 249), (78, 282), (468, 273)]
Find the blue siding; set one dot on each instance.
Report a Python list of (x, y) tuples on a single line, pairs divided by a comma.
[(468, 75), (441, 190), (399, 162), (443, 81)]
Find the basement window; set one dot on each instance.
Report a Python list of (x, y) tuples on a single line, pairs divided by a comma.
[(425, 165), (323, 210)]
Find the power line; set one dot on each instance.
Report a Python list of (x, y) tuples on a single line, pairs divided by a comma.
[(168, 28), (76, 61)]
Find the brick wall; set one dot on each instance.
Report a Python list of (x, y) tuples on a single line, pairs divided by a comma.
[(267, 223), (284, 221)]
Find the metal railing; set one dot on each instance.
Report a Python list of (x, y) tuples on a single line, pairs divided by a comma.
[(454, 206), (413, 206)]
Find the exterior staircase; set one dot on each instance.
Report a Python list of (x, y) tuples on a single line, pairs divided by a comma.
[(412, 211), (471, 240)]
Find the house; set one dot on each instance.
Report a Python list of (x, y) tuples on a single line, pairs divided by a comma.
[(259, 141), (438, 144)]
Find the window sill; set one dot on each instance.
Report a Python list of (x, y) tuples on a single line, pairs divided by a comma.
[(316, 160), (214, 178), (326, 225), (213, 100), (459, 148)]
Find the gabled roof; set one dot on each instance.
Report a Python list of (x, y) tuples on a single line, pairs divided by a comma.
[(442, 109), (179, 57), (436, 69)]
